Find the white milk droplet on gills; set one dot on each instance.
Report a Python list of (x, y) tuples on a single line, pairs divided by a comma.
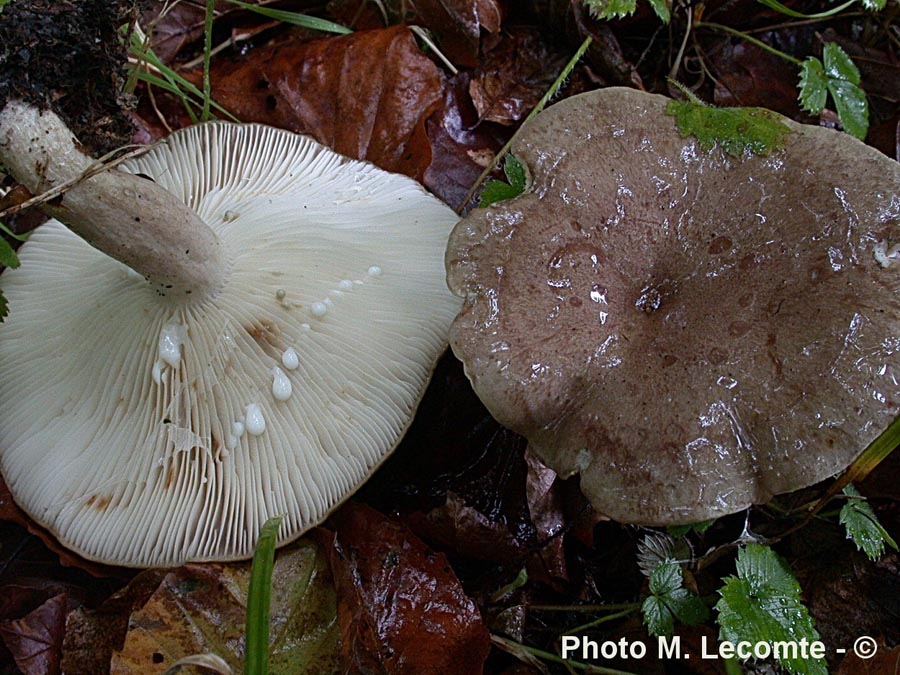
[(290, 359), (256, 423), (345, 285), (171, 338), (281, 385), (238, 429), (157, 371), (318, 308), (375, 271), (231, 441)]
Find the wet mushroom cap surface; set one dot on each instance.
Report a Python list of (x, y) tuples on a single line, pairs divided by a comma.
[(690, 332), (148, 430)]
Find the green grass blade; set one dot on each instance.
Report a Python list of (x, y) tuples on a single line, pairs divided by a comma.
[(787, 11), (295, 19), (176, 84), (259, 596)]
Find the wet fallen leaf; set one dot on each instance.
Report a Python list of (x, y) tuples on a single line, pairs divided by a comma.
[(461, 147), (457, 25), (514, 75), (35, 641), (365, 95), (92, 635), (886, 661), (546, 508), (401, 608), (200, 609), (748, 76)]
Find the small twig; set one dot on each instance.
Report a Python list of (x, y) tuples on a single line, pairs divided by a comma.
[(545, 99), (98, 167)]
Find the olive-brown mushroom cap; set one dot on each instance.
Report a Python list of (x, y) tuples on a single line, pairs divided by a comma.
[(691, 332)]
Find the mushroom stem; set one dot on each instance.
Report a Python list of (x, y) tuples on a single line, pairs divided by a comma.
[(128, 217)]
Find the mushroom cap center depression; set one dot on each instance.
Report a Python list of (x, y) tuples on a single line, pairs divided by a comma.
[(689, 331)]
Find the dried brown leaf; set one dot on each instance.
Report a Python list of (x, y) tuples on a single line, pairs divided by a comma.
[(461, 147), (457, 25), (201, 609), (401, 608), (514, 75), (36, 639), (365, 95)]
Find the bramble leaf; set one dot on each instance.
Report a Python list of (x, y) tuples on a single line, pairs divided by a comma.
[(8, 257), (843, 83), (661, 7), (874, 5), (863, 527), (762, 604), (4, 307), (840, 77), (735, 130), (611, 9), (497, 190), (669, 600), (813, 86)]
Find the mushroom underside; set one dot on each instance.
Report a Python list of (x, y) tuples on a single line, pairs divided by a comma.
[(690, 332), (148, 430)]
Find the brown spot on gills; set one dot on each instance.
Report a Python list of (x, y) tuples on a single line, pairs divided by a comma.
[(101, 503), (264, 332)]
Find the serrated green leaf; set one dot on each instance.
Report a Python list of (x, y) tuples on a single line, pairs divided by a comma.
[(687, 607), (497, 191), (813, 86), (838, 64), (874, 5), (657, 617), (515, 172), (852, 107), (4, 307), (843, 84), (735, 130), (863, 527), (665, 578), (611, 9), (762, 604), (669, 600), (661, 7), (8, 256)]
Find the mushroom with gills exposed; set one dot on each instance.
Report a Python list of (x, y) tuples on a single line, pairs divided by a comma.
[(690, 332), (252, 341)]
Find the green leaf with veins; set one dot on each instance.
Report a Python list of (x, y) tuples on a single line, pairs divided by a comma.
[(839, 76), (762, 604), (669, 600), (843, 83), (661, 7), (8, 257), (735, 130), (497, 190), (611, 9), (863, 527), (813, 86)]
